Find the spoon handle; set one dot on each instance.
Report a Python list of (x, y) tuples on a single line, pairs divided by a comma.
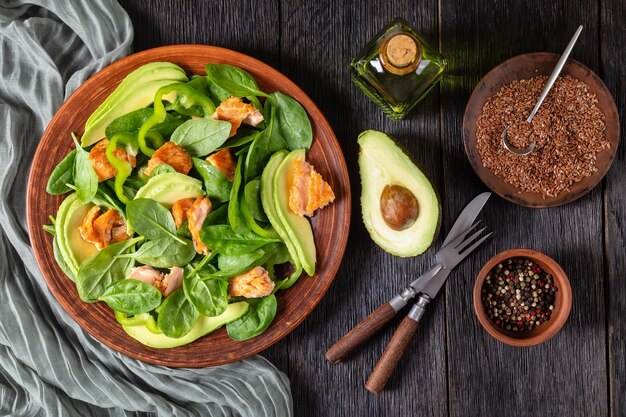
[(555, 73)]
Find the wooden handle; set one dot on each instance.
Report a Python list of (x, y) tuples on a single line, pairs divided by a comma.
[(394, 351), (370, 325)]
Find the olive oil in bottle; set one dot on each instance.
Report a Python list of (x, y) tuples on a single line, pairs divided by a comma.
[(397, 68)]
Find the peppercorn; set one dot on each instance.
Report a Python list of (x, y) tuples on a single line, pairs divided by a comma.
[(519, 304)]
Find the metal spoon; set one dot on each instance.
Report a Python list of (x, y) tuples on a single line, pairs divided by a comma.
[(544, 93)]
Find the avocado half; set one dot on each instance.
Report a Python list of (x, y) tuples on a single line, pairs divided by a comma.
[(384, 167)]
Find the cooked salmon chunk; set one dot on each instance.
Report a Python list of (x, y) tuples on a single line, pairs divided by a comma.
[(253, 284), (101, 164), (308, 191), (166, 284), (179, 210), (235, 111), (196, 214), (224, 161), (103, 229), (173, 155), (86, 228), (110, 227)]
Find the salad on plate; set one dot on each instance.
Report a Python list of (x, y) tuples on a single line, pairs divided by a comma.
[(187, 204)]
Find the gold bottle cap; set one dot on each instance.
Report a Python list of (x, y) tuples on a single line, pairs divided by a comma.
[(400, 53)]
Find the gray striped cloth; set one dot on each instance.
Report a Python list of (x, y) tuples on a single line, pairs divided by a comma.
[(48, 365)]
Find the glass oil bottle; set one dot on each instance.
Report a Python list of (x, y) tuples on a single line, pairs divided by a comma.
[(397, 68)]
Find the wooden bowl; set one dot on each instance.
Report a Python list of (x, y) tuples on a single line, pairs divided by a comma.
[(562, 303), (524, 67), (330, 226)]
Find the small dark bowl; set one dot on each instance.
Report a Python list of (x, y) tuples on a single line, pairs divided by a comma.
[(524, 67), (562, 303)]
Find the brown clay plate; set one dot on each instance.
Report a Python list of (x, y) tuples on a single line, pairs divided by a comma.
[(524, 67), (330, 225)]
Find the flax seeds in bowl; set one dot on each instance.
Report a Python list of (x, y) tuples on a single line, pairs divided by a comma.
[(569, 129)]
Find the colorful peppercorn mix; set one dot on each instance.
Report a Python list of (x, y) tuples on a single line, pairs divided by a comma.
[(518, 295)]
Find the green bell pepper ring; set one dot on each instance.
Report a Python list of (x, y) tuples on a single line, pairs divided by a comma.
[(188, 97)]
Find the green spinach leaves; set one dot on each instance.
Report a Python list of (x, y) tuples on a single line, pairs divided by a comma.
[(256, 320)]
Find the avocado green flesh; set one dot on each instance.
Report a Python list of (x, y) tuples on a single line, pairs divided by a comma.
[(170, 187), (148, 72), (382, 163), (129, 96), (71, 245), (267, 200), (298, 227), (203, 326)]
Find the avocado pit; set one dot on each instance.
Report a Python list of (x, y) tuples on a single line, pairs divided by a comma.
[(398, 207)]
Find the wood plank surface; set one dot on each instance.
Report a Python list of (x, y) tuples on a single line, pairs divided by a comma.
[(613, 72), (567, 374), (452, 367)]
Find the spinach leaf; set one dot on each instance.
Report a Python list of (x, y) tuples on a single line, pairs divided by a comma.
[(256, 320), (243, 136), (105, 197), (229, 265), (208, 296), (63, 174), (288, 282), (216, 183), (234, 80), (177, 315), (165, 253), (161, 169), (183, 229), (264, 145), (252, 194), (235, 217), (151, 220), (291, 121), (131, 123), (202, 136), (217, 216), (225, 241), (103, 268), (131, 296), (85, 178)]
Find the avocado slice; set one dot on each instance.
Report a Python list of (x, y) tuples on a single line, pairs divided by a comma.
[(70, 244), (297, 227), (170, 187), (399, 204), (204, 325), (136, 91), (267, 200)]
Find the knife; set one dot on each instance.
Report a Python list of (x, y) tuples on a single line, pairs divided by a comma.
[(376, 320)]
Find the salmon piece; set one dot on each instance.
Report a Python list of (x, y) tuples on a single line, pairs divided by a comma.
[(109, 227), (179, 210), (173, 155), (235, 111), (103, 229), (166, 284), (86, 228), (101, 164), (253, 284), (147, 274), (225, 162), (195, 217), (173, 280), (308, 191)]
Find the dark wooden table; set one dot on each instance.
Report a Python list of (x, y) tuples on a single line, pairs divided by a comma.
[(453, 367)]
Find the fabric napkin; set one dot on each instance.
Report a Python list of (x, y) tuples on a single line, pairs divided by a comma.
[(48, 365)]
